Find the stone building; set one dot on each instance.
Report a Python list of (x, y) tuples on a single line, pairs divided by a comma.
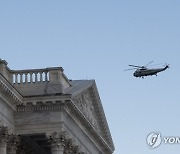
[(43, 112)]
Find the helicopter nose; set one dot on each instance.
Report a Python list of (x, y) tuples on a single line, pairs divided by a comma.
[(135, 74)]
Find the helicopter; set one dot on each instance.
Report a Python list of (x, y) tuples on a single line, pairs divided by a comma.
[(142, 71)]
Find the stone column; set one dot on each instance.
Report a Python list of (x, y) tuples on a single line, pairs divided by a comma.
[(13, 142), (3, 139), (3, 146), (12, 150), (57, 141)]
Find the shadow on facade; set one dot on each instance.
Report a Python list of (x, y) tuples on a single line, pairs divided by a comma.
[(33, 144)]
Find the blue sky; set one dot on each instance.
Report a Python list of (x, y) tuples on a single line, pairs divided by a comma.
[(97, 40)]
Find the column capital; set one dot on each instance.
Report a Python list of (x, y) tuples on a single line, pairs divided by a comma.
[(62, 142), (13, 142), (3, 135), (57, 141), (69, 146)]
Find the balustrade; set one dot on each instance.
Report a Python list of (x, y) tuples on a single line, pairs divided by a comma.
[(30, 76)]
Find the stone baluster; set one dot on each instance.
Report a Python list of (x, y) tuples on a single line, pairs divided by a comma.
[(31, 77), (16, 78), (57, 141), (21, 77), (41, 76), (3, 139), (26, 77), (36, 78), (46, 76)]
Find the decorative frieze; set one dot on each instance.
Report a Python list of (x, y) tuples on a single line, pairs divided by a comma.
[(41, 106), (85, 104)]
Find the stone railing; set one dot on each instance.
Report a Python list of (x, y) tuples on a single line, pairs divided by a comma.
[(53, 75), (30, 76)]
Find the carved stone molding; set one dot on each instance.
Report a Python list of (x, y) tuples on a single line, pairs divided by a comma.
[(72, 150), (85, 104), (99, 131), (7, 89), (42, 105), (72, 147), (39, 108)]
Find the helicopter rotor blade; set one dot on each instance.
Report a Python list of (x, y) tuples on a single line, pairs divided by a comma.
[(156, 64), (149, 63), (135, 66), (130, 69)]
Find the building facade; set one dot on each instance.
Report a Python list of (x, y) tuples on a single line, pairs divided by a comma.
[(43, 112)]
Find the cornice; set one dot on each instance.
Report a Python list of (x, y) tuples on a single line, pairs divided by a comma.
[(104, 124), (68, 105), (65, 102), (89, 127), (12, 95), (43, 103), (98, 111)]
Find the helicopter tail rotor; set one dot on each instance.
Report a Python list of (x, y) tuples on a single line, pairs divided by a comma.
[(167, 66)]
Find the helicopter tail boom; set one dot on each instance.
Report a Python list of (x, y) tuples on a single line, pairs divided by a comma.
[(167, 66)]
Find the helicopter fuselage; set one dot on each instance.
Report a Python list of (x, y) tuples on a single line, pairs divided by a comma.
[(146, 72)]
